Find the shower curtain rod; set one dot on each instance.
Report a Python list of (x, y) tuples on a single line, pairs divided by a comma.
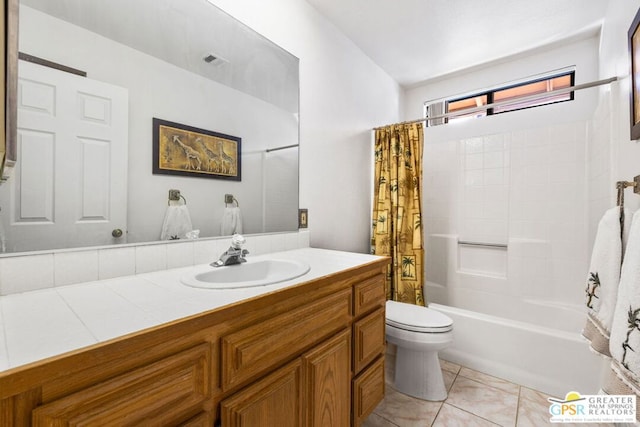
[(284, 147), (509, 102)]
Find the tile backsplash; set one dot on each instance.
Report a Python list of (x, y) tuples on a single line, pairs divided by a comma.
[(32, 271)]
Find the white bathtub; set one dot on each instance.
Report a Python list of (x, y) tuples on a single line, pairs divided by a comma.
[(545, 359), (530, 339)]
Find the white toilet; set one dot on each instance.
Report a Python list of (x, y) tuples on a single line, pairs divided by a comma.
[(419, 333)]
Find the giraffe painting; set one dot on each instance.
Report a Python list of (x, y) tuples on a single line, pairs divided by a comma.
[(184, 150), (226, 159), (211, 156), (189, 153)]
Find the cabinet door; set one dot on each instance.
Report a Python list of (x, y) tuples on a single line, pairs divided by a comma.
[(327, 372), (275, 400)]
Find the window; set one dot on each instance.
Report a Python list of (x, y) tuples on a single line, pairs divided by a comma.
[(527, 94)]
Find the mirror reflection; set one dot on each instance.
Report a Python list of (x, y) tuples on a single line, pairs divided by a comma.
[(85, 124)]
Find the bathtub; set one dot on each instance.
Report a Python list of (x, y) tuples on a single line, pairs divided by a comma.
[(530, 339), (553, 361)]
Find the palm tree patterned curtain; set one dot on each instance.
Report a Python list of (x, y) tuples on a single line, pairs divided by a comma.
[(397, 229)]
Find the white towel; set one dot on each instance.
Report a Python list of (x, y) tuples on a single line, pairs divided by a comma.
[(624, 345), (231, 222), (177, 223), (602, 282)]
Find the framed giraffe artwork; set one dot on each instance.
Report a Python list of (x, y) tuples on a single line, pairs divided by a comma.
[(186, 150)]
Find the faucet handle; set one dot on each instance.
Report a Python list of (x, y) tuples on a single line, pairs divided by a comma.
[(237, 241)]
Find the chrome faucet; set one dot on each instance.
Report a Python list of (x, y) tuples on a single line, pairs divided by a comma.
[(234, 255)]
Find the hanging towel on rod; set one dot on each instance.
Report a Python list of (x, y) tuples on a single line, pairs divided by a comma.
[(603, 279), (231, 222), (177, 223), (624, 374)]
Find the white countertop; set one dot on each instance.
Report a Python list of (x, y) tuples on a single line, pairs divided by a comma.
[(39, 324)]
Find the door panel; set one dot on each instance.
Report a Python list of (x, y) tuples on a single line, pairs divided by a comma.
[(70, 182)]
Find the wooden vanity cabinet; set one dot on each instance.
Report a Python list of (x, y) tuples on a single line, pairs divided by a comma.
[(308, 355)]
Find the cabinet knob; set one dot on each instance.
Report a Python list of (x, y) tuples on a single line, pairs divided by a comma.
[(116, 233)]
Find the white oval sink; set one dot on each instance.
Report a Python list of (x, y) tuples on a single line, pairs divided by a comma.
[(249, 274)]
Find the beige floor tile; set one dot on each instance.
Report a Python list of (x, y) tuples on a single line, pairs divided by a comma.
[(535, 396), (449, 366), (449, 378), (489, 380), (375, 420), (450, 416), (493, 404), (407, 411), (532, 411)]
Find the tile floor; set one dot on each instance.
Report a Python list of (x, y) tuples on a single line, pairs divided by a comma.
[(475, 400)]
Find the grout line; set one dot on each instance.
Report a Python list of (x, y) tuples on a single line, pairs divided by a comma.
[(387, 420), (518, 403), (472, 414), (439, 409), (77, 316)]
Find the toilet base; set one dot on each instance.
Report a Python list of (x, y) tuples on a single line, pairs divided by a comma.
[(418, 374)]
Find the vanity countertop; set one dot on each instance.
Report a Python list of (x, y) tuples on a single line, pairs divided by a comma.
[(40, 324)]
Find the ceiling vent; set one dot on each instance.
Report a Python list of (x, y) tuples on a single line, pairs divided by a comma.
[(214, 59)]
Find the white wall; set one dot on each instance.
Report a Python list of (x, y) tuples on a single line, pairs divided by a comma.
[(343, 94), (517, 178), (171, 93)]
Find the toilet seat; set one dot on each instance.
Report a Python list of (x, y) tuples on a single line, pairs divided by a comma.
[(416, 318)]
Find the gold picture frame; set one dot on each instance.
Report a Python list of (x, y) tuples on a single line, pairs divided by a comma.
[(189, 151), (634, 54)]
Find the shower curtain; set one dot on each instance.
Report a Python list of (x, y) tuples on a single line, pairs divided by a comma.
[(397, 229)]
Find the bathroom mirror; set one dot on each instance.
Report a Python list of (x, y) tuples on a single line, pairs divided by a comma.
[(92, 77)]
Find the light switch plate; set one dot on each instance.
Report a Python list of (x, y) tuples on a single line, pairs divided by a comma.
[(303, 218)]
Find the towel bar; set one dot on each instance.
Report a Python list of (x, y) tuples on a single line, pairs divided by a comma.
[(489, 245), (175, 196), (621, 185)]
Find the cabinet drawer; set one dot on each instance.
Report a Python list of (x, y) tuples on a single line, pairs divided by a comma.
[(253, 350), (160, 393), (368, 294), (368, 391), (368, 339)]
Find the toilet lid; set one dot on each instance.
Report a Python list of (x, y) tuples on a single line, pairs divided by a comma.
[(416, 318)]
